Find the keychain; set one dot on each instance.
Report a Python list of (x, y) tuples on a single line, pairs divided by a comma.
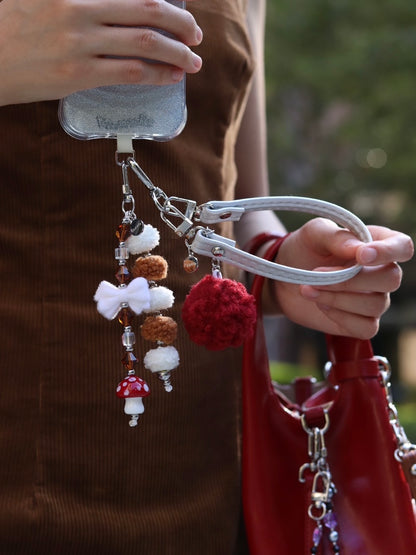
[(138, 293), (218, 313)]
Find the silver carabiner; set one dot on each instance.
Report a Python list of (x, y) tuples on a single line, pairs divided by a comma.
[(316, 439)]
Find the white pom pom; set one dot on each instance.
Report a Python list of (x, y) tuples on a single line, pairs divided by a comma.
[(161, 359), (161, 298), (146, 241)]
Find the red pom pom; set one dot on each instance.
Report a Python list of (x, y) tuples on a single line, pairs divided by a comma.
[(219, 313)]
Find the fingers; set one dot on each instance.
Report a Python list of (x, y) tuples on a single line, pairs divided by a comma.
[(363, 304), (51, 48), (388, 246), (130, 72), (354, 307), (360, 301), (147, 44), (327, 239), (377, 279), (339, 322), (127, 33), (350, 314), (157, 14)]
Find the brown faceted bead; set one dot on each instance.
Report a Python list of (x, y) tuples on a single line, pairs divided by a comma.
[(125, 316), (123, 275), (123, 232), (129, 360), (159, 328), (152, 267)]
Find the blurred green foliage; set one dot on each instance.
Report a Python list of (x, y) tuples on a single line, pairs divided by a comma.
[(341, 105)]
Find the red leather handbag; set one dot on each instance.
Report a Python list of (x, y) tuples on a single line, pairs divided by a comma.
[(321, 470)]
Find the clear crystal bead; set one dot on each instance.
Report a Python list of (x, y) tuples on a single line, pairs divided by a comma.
[(121, 253), (128, 339)]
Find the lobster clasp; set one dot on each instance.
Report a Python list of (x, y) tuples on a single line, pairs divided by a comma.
[(171, 213), (321, 493), (321, 488)]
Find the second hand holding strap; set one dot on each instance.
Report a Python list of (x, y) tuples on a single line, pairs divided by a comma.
[(202, 240)]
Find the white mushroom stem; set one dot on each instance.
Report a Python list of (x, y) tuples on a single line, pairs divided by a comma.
[(133, 406)]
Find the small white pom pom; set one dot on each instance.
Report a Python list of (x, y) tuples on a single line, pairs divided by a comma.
[(161, 359), (161, 298), (146, 241)]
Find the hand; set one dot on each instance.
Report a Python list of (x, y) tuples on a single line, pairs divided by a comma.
[(50, 48), (352, 308)]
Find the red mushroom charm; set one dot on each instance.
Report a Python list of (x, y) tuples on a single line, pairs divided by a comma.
[(132, 389)]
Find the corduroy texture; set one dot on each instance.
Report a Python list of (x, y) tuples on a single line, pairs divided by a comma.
[(74, 477)]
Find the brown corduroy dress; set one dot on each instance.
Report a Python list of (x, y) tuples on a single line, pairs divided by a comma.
[(74, 477)]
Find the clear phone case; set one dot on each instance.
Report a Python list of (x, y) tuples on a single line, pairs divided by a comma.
[(142, 111)]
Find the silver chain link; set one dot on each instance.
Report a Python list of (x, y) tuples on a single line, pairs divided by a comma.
[(404, 445), (170, 213)]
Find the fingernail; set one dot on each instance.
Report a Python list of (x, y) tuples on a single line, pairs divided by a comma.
[(197, 61), (199, 35), (368, 255)]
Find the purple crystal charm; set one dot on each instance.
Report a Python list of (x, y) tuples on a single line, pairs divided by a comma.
[(317, 535), (330, 520)]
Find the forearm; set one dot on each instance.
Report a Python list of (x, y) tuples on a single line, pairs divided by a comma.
[(251, 147)]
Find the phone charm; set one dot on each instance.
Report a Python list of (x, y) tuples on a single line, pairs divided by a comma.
[(138, 293)]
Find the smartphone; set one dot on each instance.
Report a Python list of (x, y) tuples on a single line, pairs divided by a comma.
[(152, 112)]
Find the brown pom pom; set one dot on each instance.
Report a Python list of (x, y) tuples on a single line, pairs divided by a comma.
[(159, 328), (152, 267)]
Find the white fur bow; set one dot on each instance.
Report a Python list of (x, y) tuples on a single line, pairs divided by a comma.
[(109, 297)]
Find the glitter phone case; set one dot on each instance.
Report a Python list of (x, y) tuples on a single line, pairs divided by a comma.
[(142, 111)]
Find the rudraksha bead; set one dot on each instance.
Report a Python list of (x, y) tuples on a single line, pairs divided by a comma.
[(159, 328), (152, 268)]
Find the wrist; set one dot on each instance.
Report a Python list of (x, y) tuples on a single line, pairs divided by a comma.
[(266, 245)]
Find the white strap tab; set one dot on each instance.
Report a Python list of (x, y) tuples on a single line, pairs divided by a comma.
[(124, 143)]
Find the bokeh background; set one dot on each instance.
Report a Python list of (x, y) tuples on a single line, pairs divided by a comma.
[(341, 81)]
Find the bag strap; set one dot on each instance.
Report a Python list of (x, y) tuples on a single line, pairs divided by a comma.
[(208, 243), (350, 358)]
